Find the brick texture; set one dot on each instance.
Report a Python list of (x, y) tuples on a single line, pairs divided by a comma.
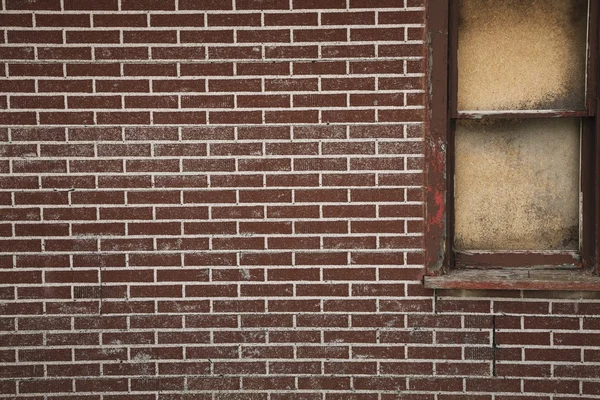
[(222, 199)]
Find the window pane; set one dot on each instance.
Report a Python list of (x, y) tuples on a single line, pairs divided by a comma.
[(517, 184), (522, 54)]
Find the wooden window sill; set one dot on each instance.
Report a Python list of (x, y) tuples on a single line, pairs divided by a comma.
[(516, 279)]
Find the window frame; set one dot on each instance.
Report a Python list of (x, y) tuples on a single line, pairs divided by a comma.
[(505, 270)]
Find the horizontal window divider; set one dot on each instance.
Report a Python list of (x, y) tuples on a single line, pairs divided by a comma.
[(515, 259), (522, 114)]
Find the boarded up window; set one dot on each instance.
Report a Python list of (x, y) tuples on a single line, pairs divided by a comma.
[(522, 54), (517, 184)]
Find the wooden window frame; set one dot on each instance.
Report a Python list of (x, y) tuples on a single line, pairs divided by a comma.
[(535, 270)]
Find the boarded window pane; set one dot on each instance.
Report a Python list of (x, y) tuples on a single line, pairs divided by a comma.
[(517, 184), (522, 54)]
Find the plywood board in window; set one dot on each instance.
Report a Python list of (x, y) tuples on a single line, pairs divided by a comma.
[(517, 184), (522, 54)]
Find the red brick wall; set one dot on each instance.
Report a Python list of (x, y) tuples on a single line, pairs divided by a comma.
[(211, 200)]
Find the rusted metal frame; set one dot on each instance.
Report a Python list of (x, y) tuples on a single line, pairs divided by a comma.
[(593, 62), (595, 218), (590, 149), (532, 258), (588, 178), (442, 105), (453, 10), (436, 189), (595, 72), (452, 111), (516, 259), (590, 155)]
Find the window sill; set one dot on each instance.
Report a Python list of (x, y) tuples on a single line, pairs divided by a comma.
[(516, 279)]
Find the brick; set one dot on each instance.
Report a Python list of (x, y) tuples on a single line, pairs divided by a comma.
[(17, 36), (101, 384), (184, 53), (181, 181), (348, 18), (591, 388), (205, 5), (20, 277), (348, 84), (359, 274), (35, 69), (14, 371), (291, 19), (312, 4), (135, 307), (288, 367), (275, 383), (575, 339), (210, 228), (119, 20), (304, 84), (324, 383), (508, 338), (263, 36), (94, 102), (121, 53), (20, 214), (150, 36), (377, 34), (263, 68), (296, 306), (154, 69), (398, 17), (551, 323), (180, 213), (238, 19), (93, 37), (439, 384), (227, 53), (148, 5), (177, 20), (74, 370), (118, 85), (174, 118), (262, 5), (109, 69), (403, 83), (71, 86), (38, 5), (208, 36), (547, 386), (234, 85), (151, 133), (122, 117), (531, 370), (208, 101), (179, 85), (43, 386), (17, 53), (264, 101), (320, 68), (164, 165), (292, 52), (97, 354), (18, 86), (214, 383), (320, 35), (16, 20)]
